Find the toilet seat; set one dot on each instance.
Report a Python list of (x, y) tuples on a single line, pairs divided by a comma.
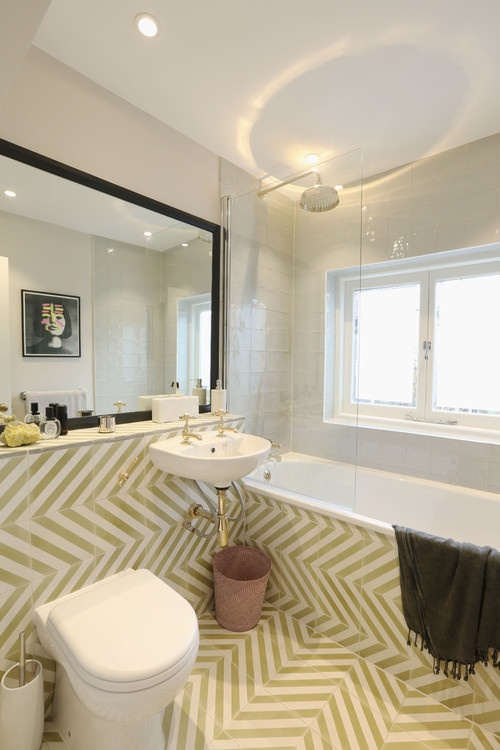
[(124, 634)]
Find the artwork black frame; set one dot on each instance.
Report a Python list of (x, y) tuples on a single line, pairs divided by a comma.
[(35, 338)]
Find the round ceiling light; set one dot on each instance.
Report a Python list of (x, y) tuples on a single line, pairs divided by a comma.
[(311, 158), (10, 193), (147, 24)]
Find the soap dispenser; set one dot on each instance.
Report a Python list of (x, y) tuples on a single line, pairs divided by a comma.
[(50, 427), (218, 398), (201, 392)]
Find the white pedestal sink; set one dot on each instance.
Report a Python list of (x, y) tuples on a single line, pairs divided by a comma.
[(217, 459)]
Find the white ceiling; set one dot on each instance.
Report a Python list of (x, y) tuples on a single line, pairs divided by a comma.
[(262, 82)]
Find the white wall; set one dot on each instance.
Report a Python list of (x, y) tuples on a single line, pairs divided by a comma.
[(54, 111), (35, 249)]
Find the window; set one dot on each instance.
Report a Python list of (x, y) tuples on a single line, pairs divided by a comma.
[(417, 339)]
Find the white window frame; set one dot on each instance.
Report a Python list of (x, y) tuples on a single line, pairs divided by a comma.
[(426, 270)]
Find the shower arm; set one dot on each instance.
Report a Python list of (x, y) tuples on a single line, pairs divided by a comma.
[(261, 192)]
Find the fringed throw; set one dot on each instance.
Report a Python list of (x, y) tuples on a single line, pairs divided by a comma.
[(450, 600)]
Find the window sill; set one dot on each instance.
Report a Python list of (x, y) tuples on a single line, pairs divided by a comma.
[(426, 429)]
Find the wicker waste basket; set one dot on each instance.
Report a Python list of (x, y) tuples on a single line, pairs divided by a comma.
[(240, 580)]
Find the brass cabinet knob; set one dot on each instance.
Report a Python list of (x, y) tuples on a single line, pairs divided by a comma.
[(4, 407)]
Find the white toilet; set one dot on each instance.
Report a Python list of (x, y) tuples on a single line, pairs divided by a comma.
[(123, 648)]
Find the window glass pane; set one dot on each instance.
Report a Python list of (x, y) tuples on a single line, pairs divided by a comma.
[(385, 345), (466, 352)]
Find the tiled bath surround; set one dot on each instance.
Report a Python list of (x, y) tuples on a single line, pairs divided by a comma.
[(65, 523), (342, 580)]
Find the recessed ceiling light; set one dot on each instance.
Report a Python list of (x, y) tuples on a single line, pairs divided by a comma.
[(148, 234), (311, 158), (147, 24), (185, 244), (111, 250), (10, 193), (339, 187)]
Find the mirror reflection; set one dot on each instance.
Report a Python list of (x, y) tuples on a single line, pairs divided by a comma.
[(144, 280)]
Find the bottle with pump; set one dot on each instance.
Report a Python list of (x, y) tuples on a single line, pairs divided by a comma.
[(34, 416), (218, 398), (200, 392), (50, 427)]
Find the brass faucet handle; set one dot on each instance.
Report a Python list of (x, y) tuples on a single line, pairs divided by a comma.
[(273, 444), (187, 417), (119, 405)]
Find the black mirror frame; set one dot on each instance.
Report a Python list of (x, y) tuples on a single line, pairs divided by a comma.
[(46, 164)]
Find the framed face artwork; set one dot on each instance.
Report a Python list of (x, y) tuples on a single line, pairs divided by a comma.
[(51, 324)]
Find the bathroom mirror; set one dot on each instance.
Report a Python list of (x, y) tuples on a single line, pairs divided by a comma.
[(146, 274)]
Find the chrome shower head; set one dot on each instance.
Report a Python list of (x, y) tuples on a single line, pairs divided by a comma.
[(316, 199), (319, 198)]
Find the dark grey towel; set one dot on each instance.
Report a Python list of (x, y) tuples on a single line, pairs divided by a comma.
[(450, 598)]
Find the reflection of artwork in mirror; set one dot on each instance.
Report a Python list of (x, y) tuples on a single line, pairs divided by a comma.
[(51, 324)]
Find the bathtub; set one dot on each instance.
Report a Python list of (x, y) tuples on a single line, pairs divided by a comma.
[(376, 499)]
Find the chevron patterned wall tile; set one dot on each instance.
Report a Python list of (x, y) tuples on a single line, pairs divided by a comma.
[(119, 520), (62, 539), (60, 479), (112, 458), (339, 607), (15, 556), (165, 503), (15, 615), (14, 484)]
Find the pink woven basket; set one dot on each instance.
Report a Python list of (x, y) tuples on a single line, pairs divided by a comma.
[(240, 580)]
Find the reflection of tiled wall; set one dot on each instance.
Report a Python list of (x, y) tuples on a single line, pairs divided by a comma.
[(127, 323), (65, 522), (343, 580)]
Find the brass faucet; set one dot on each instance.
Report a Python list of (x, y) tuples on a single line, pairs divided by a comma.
[(185, 430), (221, 428), (119, 405)]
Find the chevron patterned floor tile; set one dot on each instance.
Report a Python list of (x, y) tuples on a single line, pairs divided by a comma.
[(283, 685)]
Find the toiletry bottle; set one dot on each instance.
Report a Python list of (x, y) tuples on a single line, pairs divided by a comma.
[(34, 417), (200, 392), (62, 416), (50, 427), (218, 398)]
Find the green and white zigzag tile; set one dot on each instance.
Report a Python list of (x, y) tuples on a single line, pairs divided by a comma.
[(383, 623), (119, 520), (376, 688), (112, 459), (165, 505), (60, 479), (347, 722), (298, 590), (14, 484), (62, 539), (15, 557), (483, 740), (341, 555), (15, 616), (132, 555), (486, 684), (299, 535), (339, 607), (431, 723), (263, 520)]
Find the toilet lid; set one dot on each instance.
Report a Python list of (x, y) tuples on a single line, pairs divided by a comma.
[(127, 632)]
